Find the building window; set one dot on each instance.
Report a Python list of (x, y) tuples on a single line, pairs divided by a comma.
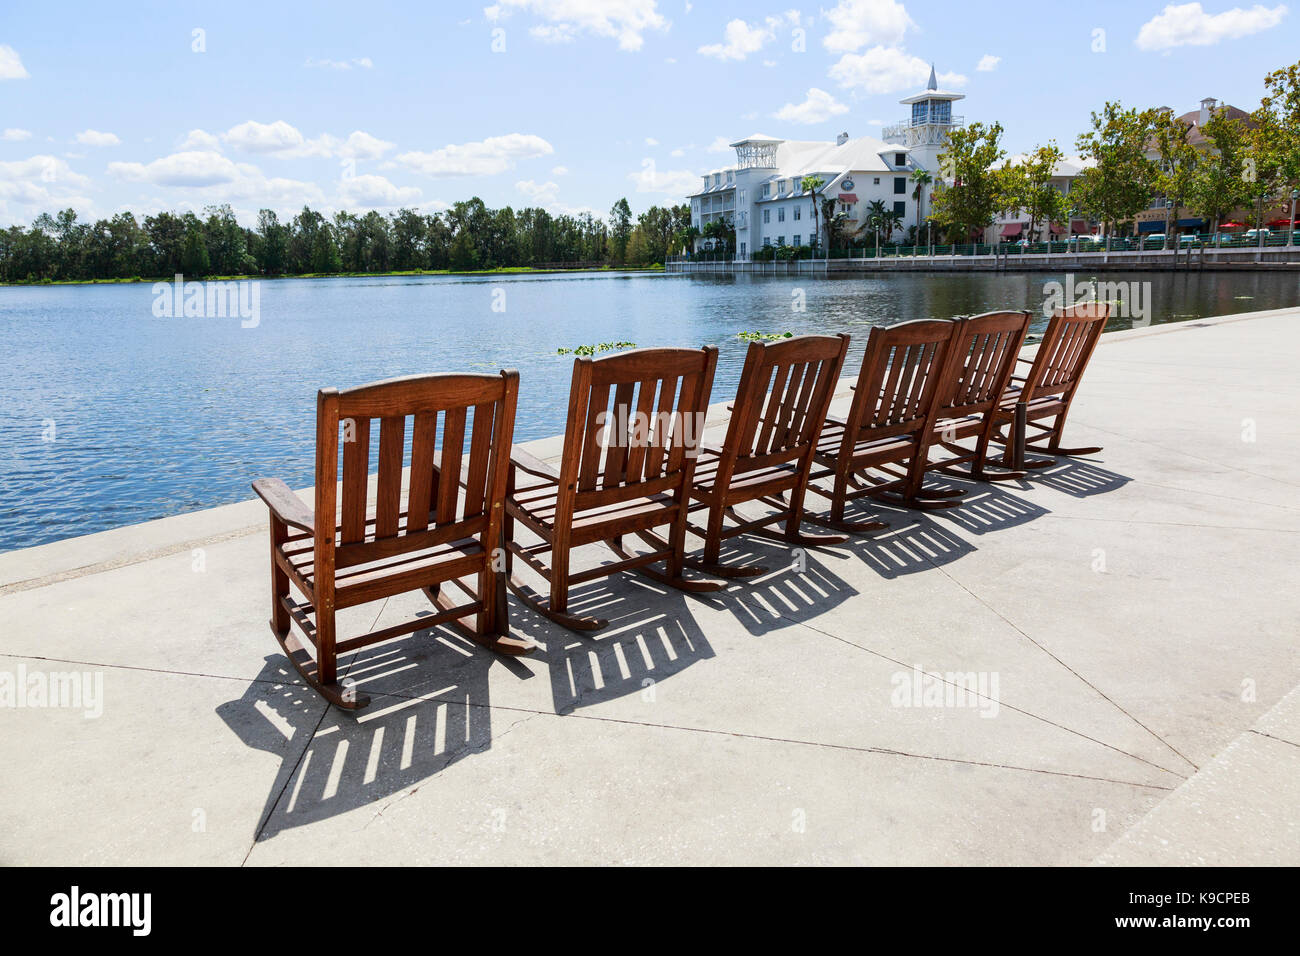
[(876, 181), (742, 249), (780, 240), (767, 215), (767, 190), (780, 214), (798, 211), (900, 185), (729, 175), (767, 241), (900, 209), (797, 237), (900, 159), (741, 196)]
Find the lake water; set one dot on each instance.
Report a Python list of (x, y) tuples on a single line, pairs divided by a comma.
[(111, 416)]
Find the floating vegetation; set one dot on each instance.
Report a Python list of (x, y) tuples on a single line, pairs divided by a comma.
[(593, 349), (763, 336)]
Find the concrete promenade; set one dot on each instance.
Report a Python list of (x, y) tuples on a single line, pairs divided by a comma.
[(1130, 620)]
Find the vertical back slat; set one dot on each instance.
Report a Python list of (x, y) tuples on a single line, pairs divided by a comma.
[(453, 444), (419, 500), (480, 449), (663, 427), (644, 407), (591, 450), (356, 475), (617, 428), (388, 497)]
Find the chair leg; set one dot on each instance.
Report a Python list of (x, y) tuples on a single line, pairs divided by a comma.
[(709, 564), (793, 530), (279, 581), (836, 521), (327, 667)]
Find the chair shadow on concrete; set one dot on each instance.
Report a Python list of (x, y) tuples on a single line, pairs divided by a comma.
[(429, 709), (1079, 478), (651, 636)]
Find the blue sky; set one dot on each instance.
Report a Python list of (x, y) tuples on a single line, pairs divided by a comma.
[(567, 104)]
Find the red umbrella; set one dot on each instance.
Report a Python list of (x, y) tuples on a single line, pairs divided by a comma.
[(1232, 225), (1281, 223)]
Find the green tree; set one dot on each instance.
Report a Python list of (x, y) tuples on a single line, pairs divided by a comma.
[(194, 255), (810, 185), (1120, 185), (620, 229), (1217, 184), (972, 199)]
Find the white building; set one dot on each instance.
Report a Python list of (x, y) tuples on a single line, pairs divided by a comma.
[(1012, 225), (763, 195)]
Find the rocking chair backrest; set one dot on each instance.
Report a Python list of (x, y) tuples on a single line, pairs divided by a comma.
[(461, 431), (781, 402), (985, 350), (902, 371), (635, 423), (1072, 335)]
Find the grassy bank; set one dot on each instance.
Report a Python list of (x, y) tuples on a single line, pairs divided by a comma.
[(508, 270)]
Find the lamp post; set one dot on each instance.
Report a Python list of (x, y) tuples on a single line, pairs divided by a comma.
[(1169, 211), (1290, 226)]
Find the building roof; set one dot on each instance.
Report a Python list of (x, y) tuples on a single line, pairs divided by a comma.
[(1067, 168)]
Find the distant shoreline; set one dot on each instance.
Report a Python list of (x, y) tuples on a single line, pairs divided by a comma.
[(510, 270)]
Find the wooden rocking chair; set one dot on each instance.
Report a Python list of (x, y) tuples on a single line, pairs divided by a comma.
[(984, 354), (893, 410), (1047, 391), (441, 536), (630, 446), (785, 389)]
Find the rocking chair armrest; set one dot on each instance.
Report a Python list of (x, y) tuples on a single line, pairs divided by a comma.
[(284, 504), (526, 461)]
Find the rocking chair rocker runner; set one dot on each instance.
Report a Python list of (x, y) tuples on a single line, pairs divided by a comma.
[(1047, 391), (634, 427), (893, 409), (785, 389), (441, 536)]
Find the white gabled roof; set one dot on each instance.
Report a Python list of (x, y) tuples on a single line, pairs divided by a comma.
[(1068, 166)]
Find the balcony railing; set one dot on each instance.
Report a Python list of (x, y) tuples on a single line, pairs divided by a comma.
[(902, 126)]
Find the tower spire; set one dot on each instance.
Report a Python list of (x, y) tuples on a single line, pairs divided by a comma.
[(934, 81)]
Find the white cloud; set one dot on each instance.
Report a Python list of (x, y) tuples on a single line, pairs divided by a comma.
[(624, 20), (488, 157), (675, 182), (286, 142), (720, 144), (542, 194), (255, 137), (1188, 24), (362, 62), (887, 70), (188, 168), (651, 141), (371, 191), (29, 187), (739, 40), (200, 140), (988, 63), (859, 23), (560, 171), (678, 153), (817, 107), (93, 137), (15, 135), (11, 64)]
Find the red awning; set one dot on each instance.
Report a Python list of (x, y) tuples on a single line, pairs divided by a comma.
[(1281, 223), (1057, 228), (848, 197), (1012, 229)]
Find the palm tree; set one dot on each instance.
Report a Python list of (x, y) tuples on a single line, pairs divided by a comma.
[(812, 184), (922, 179), (892, 222), (876, 215)]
